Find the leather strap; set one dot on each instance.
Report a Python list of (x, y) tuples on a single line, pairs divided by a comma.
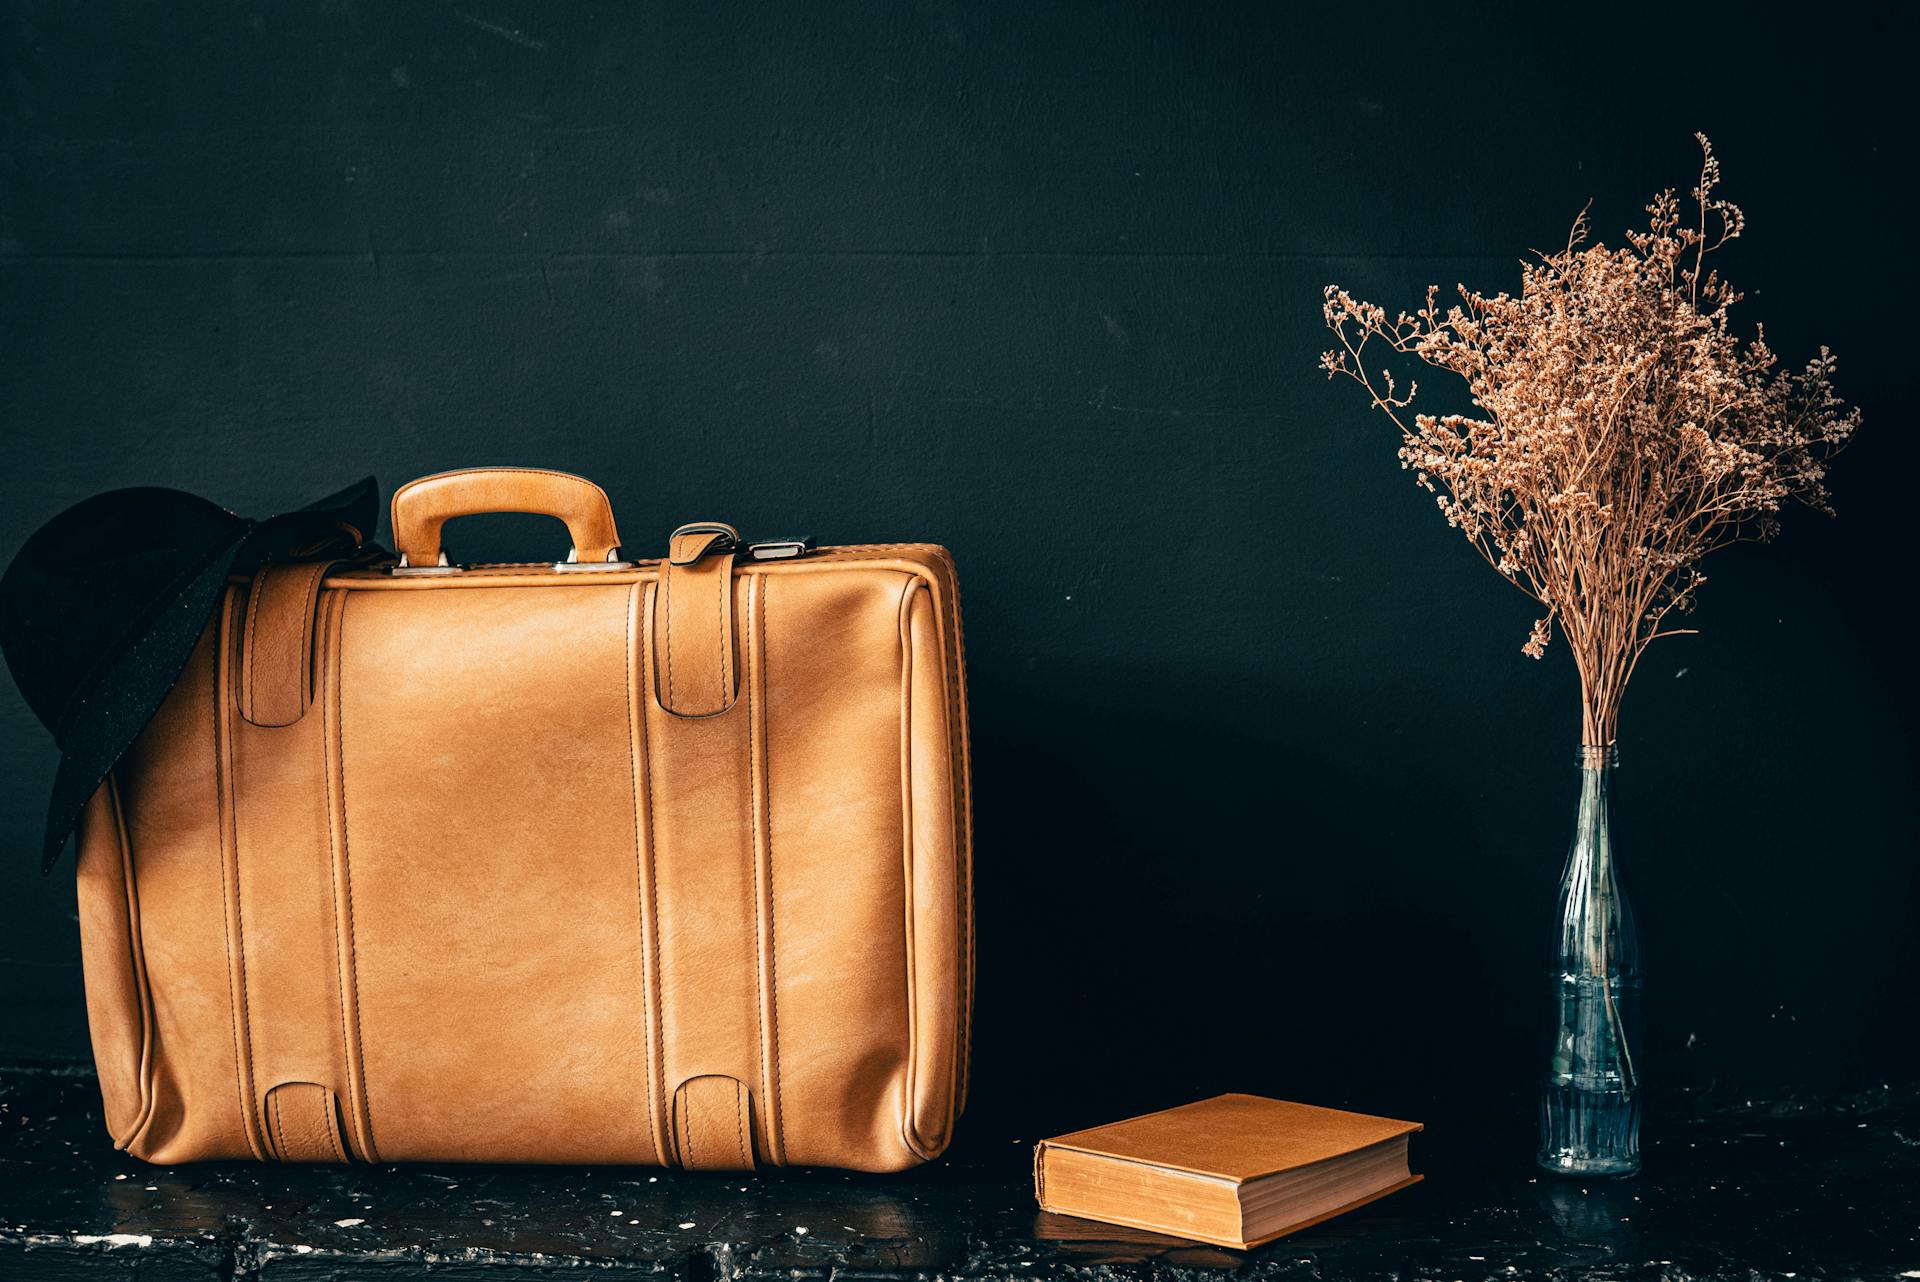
[(695, 673), (278, 853), (713, 1124), (276, 642), (303, 1123), (421, 508)]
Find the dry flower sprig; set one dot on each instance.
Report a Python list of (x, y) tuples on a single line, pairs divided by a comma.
[(1621, 430)]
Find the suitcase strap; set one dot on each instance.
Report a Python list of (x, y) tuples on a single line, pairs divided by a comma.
[(713, 1124), (276, 673), (693, 617)]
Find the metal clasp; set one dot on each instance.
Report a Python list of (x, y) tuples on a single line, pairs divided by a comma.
[(401, 567), (778, 549), (573, 563)]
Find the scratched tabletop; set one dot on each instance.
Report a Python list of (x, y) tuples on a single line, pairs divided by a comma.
[(1810, 1188)]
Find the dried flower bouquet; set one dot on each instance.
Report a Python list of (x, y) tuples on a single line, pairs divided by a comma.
[(1620, 429)]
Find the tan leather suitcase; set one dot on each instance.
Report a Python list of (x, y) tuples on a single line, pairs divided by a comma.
[(660, 862)]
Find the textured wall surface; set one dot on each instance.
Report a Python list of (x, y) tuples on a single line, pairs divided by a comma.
[(1267, 796)]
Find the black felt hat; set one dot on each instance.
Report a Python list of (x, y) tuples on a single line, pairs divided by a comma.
[(104, 604)]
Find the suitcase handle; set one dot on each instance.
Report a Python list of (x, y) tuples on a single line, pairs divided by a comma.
[(421, 508)]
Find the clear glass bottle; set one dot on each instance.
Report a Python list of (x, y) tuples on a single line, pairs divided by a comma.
[(1590, 1103)]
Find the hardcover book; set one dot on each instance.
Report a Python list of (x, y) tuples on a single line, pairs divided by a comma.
[(1234, 1170)]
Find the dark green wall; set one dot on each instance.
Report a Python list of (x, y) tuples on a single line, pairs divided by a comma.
[(1267, 796)]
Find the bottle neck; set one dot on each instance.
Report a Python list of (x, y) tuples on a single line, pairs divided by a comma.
[(1596, 756), (1590, 833)]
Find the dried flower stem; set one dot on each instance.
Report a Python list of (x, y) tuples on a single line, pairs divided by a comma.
[(1621, 430)]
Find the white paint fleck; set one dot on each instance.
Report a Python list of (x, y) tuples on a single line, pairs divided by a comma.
[(616, 1214), (511, 35), (801, 1229), (686, 1224), (114, 1239), (348, 1224), (303, 1250)]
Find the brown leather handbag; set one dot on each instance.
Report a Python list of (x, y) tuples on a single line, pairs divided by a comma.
[(659, 862)]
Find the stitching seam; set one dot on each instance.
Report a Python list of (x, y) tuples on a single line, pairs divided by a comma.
[(723, 609), (353, 945), (540, 573), (666, 607), (136, 950), (355, 1049), (653, 891), (230, 835), (910, 1131), (254, 594), (686, 1130), (739, 1123), (229, 885), (333, 846), (631, 659), (307, 624), (777, 1139), (753, 827)]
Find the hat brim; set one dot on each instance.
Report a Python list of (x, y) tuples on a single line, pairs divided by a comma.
[(104, 725), (124, 696)]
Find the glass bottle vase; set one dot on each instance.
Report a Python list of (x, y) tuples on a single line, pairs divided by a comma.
[(1590, 1101)]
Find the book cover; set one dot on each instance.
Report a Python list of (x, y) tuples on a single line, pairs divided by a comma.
[(1234, 1170)]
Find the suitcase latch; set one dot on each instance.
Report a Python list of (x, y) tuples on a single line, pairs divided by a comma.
[(777, 549)]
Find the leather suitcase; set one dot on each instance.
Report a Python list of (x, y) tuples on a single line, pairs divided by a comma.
[(657, 862)]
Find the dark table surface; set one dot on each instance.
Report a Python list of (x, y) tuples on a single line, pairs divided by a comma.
[(1808, 1189)]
